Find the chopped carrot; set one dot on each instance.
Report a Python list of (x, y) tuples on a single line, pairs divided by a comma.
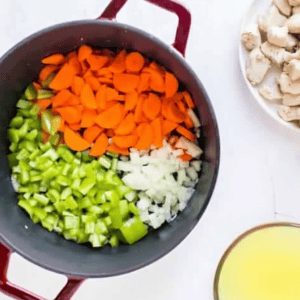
[(93, 82), (119, 63), (88, 116), (125, 141), (84, 67), (186, 133), (126, 126), (88, 73), (110, 118), (84, 52), (70, 55), (70, 114), (63, 78), (144, 82), (87, 97), (120, 97), (171, 85), (188, 122), (139, 108), (61, 98), (61, 127), (75, 126), (44, 103), (111, 94), (185, 157), (145, 138), (115, 149), (151, 106), (168, 126), (126, 82), (181, 106), (131, 100), (157, 82), (174, 114), (73, 100), (188, 99), (77, 85), (156, 125), (154, 66), (45, 137), (110, 132), (110, 104), (101, 97), (74, 141), (105, 80), (91, 133), (178, 97), (96, 62), (144, 118), (54, 59), (99, 146), (46, 71), (36, 85), (75, 64), (134, 62), (104, 72)]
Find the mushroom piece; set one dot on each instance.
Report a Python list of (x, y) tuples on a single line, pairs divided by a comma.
[(290, 99), (296, 10), (293, 69), (293, 23), (270, 94), (294, 2), (272, 18), (278, 36), (287, 86), (251, 37), (276, 54), (289, 113), (283, 6), (291, 43), (257, 66)]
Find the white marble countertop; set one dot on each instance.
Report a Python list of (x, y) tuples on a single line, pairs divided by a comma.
[(260, 160)]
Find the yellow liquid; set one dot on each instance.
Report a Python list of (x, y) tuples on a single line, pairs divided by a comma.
[(265, 265)]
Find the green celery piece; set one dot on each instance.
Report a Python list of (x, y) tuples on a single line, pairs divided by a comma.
[(44, 94), (16, 122), (45, 147), (123, 189), (36, 178), (124, 210), (24, 128), (71, 203), (88, 218), (26, 206), (66, 168), (62, 180), (86, 157), (24, 177), (71, 234), (109, 177), (49, 209), (27, 196), (34, 111), (101, 227), (66, 192), (47, 225), (107, 221), (92, 192), (114, 241), (86, 185), (13, 147), (53, 184), (133, 230), (52, 219), (76, 184), (48, 80), (51, 153), (84, 203), (30, 92), (115, 155), (54, 139), (28, 145), (94, 240), (89, 227), (65, 154), (60, 206), (40, 213), (32, 135), (53, 195), (41, 198), (95, 210), (116, 217), (113, 197), (35, 153), (82, 171), (24, 165), (50, 173), (13, 135), (24, 104), (115, 179), (33, 202), (114, 164), (24, 113), (82, 237), (105, 161), (16, 169), (12, 160), (100, 197), (131, 196), (100, 175), (35, 123), (133, 209), (46, 120), (72, 222)]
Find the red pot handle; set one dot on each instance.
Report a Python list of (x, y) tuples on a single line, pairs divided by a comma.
[(19, 293), (183, 14)]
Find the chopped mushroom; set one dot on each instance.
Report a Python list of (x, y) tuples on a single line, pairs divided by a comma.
[(251, 37), (293, 23), (257, 66), (296, 10), (270, 94), (294, 2), (292, 43), (289, 113), (276, 54), (287, 85), (283, 6), (278, 36), (272, 18), (290, 99), (293, 69)]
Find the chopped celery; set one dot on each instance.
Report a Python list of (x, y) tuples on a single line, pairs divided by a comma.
[(133, 230), (23, 104), (13, 135), (86, 185), (44, 94), (105, 162), (16, 122), (30, 93), (34, 110), (48, 80), (72, 222)]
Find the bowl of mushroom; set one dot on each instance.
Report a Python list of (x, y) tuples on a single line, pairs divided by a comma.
[(270, 57)]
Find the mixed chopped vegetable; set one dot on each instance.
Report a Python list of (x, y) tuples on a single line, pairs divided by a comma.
[(104, 146)]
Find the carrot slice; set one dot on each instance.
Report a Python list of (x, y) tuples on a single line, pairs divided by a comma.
[(54, 59), (63, 78), (171, 86), (62, 125), (140, 128), (168, 126), (84, 52), (74, 141), (100, 145), (73, 100), (131, 100), (181, 106), (139, 109), (173, 113), (134, 62), (46, 71), (88, 116), (77, 85), (111, 103), (36, 85), (111, 94), (104, 72), (75, 126), (152, 106), (84, 67), (91, 133), (105, 80), (96, 62), (119, 63), (146, 138), (70, 114), (125, 141), (126, 126), (126, 82), (44, 103), (188, 122), (110, 132), (156, 126), (120, 97), (101, 97), (188, 99), (61, 98), (115, 149), (75, 64), (186, 133), (87, 97), (110, 118), (157, 82), (185, 157), (144, 82), (93, 82)]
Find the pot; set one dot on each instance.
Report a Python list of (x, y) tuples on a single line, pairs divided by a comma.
[(18, 67)]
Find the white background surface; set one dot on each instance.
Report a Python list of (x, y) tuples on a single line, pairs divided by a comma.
[(260, 160)]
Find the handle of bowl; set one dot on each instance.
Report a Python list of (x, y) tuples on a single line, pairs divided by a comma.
[(184, 17), (19, 293)]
